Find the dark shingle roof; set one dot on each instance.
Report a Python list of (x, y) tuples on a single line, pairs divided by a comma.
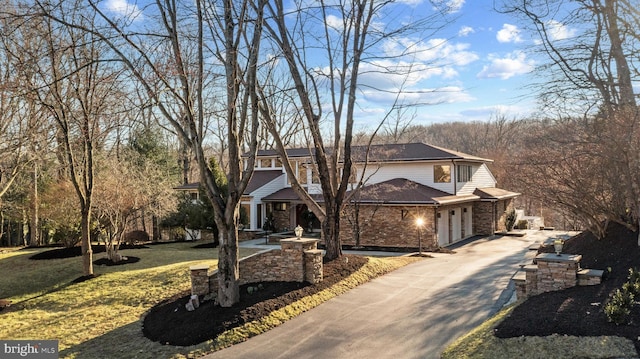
[(398, 191), (258, 179), (389, 152), (261, 178)]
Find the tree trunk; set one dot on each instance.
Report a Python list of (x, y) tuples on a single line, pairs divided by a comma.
[(331, 232), (87, 253), (228, 271), (35, 218), (156, 230)]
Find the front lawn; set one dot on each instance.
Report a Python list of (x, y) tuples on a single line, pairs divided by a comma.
[(102, 317)]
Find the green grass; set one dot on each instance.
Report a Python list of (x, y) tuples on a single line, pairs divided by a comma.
[(480, 343), (102, 317)]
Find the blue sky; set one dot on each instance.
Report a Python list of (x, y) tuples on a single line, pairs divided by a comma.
[(484, 67), (475, 68)]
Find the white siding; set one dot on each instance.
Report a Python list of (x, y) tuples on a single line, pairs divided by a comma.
[(483, 178), (260, 192), (420, 172)]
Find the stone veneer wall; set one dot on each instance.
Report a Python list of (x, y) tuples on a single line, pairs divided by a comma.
[(489, 217), (554, 272), (281, 220), (296, 261), (390, 226)]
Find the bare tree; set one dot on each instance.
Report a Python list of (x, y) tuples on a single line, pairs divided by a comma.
[(344, 35), (73, 87), (170, 63), (591, 46)]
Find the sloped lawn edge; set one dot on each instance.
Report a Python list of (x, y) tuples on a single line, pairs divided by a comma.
[(375, 267), (481, 343)]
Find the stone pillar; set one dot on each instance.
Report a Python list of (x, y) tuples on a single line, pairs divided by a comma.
[(293, 250), (199, 279), (313, 266), (557, 272)]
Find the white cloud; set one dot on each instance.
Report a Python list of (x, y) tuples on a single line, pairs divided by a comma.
[(420, 96), (559, 31), (449, 6), (455, 5), (509, 33), (504, 68), (335, 23), (124, 9), (465, 31), (439, 52)]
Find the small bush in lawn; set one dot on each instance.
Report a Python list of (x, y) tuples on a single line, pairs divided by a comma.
[(619, 307), (137, 236)]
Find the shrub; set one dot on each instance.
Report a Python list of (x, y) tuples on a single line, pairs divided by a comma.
[(522, 224), (137, 236), (633, 282), (510, 219), (618, 308)]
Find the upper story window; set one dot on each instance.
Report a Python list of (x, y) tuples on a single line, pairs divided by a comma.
[(265, 162), (441, 173), (300, 171), (464, 173)]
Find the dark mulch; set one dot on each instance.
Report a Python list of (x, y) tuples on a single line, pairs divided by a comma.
[(109, 263), (579, 311), (170, 323), (63, 252), (4, 304)]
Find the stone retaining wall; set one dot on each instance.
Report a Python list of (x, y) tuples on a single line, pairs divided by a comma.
[(553, 272), (297, 260)]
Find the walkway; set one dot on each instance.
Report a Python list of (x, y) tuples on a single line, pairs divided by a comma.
[(413, 312)]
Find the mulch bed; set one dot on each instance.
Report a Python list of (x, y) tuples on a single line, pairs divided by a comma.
[(4, 304), (579, 311), (170, 323), (109, 263), (63, 252)]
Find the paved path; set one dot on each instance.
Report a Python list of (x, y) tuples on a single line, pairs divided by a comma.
[(413, 312)]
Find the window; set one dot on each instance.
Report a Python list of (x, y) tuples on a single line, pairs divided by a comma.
[(265, 162), (441, 173), (464, 173), (280, 206), (302, 174)]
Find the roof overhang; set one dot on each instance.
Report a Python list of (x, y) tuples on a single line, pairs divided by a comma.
[(492, 194), (456, 199)]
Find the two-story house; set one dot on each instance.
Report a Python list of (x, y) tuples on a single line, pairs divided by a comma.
[(453, 194), (411, 193)]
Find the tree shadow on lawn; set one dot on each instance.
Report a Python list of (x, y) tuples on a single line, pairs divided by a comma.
[(125, 341), (191, 331)]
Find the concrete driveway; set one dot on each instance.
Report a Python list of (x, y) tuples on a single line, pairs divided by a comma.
[(413, 312)]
